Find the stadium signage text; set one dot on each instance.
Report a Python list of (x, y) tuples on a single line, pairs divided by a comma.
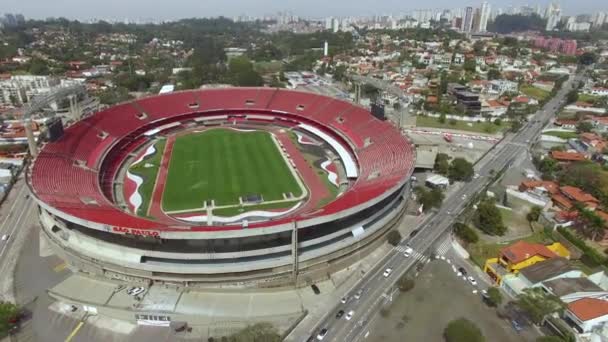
[(140, 232)]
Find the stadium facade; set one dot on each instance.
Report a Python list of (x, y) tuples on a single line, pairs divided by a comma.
[(77, 182)]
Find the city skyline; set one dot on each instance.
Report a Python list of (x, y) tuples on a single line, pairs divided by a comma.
[(140, 10)]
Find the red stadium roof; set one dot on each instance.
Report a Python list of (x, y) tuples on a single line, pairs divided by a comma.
[(75, 174)]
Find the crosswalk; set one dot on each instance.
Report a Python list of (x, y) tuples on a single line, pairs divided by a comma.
[(441, 250), (444, 247)]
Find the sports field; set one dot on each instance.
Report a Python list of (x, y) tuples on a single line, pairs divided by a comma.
[(223, 165)]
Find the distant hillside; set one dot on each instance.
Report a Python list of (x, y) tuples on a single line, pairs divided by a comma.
[(507, 23)]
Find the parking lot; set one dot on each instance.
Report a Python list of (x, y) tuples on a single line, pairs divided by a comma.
[(438, 297)]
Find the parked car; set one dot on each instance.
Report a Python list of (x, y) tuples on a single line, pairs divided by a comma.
[(462, 271), (472, 281), (315, 289), (349, 315), (322, 334), (344, 300), (5, 237), (340, 314), (387, 272), (134, 291), (358, 294), (516, 325), (413, 233)]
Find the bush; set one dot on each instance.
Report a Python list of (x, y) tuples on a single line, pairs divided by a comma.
[(465, 233), (591, 257), (462, 330), (494, 296), (406, 283), (393, 237)]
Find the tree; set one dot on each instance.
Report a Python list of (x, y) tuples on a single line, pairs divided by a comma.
[(534, 214), (591, 224), (494, 296), (488, 218), (494, 74), (515, 126), (442, 118), (462, 330), (405, 283), (241, 73), (587, 58), (429, 199), (498, 121), (8, 312), (538, 304), (38, 66), (460, 170), (393, 237), (442, 163), (470, 65), (584, 126), (572, 96), (465, 233)]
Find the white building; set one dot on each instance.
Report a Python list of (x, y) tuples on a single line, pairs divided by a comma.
[(485, 15), (553, 15), (19, 89), (587, 314)]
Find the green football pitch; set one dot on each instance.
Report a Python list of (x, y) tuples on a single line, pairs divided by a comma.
[(223, 165)]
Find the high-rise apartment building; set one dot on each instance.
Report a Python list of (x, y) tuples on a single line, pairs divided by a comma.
[(484, 17)]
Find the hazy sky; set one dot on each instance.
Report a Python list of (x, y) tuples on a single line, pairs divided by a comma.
[(174, 9)]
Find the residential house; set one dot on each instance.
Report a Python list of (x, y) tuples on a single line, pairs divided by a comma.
[(535, 275), (573, 289), (522, 254), (567, 157), (586, 314)]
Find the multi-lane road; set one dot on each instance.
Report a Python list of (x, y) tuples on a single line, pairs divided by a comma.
[(375, 286)]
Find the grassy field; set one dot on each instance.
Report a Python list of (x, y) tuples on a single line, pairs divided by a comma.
[(588, 98), (223, 165), (149, 175), (534, 92), (563, 135), (481, 127), (267, 206)]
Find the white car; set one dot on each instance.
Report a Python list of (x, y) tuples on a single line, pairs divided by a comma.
[(472, 281), (408, 252), (322, 334), (387, 272), (5, 237), (464, 197), (134, 291), (358, 294), (344, 300), (349, 315), (476, 176)]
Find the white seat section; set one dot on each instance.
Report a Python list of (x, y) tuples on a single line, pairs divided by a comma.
[(347, 158)]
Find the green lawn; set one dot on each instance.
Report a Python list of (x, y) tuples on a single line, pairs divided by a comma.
[(534, 92), (561, 134), (588, 98), (149, 175), (238, 210), (481, 127), (223, 165)]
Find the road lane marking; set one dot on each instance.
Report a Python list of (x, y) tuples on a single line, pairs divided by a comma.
[(74, 332)]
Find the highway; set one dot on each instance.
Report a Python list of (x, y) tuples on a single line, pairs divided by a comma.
[(16, 217), (375, 286)]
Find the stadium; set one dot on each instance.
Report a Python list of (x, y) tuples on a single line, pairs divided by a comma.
[(255, 187)]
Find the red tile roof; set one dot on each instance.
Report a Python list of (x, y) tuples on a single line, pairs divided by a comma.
[(578, 195), (588, 308), (550, 186), (522, 250), (562, 201), (567, 156)]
